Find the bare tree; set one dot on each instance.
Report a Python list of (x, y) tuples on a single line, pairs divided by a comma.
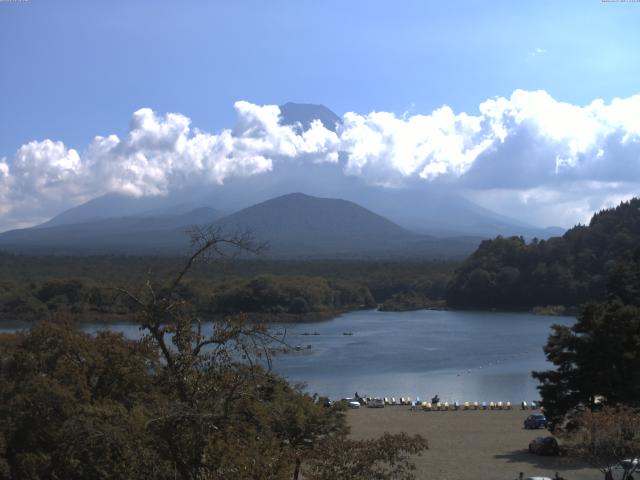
[(172, 323)]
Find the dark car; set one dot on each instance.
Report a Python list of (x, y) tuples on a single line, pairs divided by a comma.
[(535, 420), (544, 446)]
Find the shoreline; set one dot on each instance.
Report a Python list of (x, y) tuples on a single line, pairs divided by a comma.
[(270, 318)]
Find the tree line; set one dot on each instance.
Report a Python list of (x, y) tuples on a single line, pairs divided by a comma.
[(32, 286), (510, 273)]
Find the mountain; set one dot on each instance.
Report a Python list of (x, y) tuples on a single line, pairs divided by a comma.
[(131, 234), (294, 225), (418, 206), (304, 113), (298, 224), (115, 205)]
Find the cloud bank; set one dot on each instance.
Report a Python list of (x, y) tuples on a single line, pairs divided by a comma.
[(528, 149)]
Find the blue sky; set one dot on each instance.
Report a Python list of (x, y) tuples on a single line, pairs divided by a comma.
[(71, 70), (74, 69)]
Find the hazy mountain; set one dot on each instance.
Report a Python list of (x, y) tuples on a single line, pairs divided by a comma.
[(134, 234), (114, 205), (419, 206), (299, 225), (294, 225)]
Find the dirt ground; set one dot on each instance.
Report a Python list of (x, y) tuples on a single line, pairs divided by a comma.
[(469, 445)]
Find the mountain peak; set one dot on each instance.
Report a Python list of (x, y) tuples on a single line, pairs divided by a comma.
[(302, 114)]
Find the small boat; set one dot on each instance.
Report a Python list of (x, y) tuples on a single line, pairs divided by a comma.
[(347, 333)]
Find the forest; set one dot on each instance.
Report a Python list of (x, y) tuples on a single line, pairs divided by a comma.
[(510, 273), (88, 287)]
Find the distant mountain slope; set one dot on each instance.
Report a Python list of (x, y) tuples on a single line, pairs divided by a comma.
[(567, 270), (302, 225), (300, 215), (114, 205), (294, 225), (164, 233)]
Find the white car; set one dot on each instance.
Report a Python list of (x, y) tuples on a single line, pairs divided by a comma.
[(375, 403), (354, 404)]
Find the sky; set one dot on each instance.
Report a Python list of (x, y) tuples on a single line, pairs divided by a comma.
[(528, 108)]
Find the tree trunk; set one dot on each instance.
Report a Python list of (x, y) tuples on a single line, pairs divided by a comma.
[(296, 472)]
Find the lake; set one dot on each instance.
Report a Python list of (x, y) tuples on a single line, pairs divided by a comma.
[(474, 356)]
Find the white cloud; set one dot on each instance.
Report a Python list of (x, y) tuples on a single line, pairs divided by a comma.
[(573, 203), (524, 144), (386, 149)]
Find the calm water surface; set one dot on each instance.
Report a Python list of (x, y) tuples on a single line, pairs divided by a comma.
[(475, 356), (461, 356)]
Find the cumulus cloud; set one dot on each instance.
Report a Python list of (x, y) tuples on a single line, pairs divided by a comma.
[(386, 149), (158, 154), (525, 144), (524, 141), (574, 203)]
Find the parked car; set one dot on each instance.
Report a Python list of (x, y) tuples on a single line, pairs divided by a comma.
[(535, 420), (544, 446), (350, 402), (375, 403)]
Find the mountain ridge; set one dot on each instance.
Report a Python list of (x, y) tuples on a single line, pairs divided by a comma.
[(295, 225)]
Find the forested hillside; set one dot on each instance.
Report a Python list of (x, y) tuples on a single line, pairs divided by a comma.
[(568, 270)]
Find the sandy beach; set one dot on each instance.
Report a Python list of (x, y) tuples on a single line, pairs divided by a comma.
[(469, 445)]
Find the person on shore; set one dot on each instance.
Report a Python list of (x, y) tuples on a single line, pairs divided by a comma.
[(435, 399), (520, 476)]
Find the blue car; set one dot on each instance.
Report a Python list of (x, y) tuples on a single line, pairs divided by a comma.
[(535, 420)]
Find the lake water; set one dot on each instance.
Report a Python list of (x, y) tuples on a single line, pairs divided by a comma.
[(474, 356)]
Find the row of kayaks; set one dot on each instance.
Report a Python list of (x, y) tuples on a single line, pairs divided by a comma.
[(444, 406)]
